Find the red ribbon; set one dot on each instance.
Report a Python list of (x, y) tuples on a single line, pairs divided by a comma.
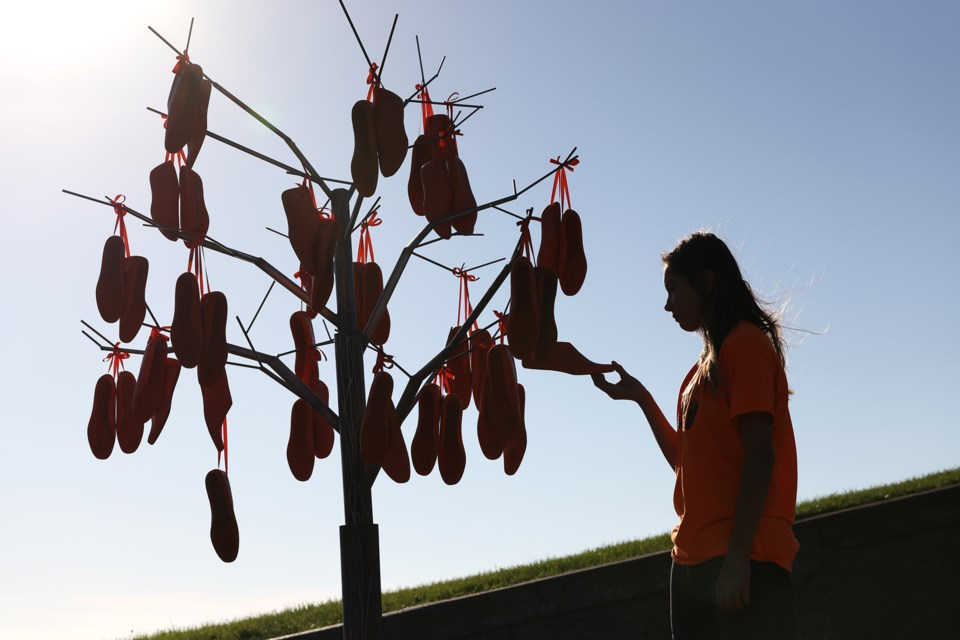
[(365, 248), (384, 361), (195, 261), (464, 307), (449, 104), (426, 109), (374, 81), (443, 378), (501, 324), (115, 359), (158, 331), (560, 179), (121, 210), (526, 241), (181, 60), (226, 450)]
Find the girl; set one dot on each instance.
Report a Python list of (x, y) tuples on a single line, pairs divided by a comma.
[(733, 453)]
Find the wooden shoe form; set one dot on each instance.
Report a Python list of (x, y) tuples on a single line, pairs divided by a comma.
[(546, 279), (182, 107), (102, 426), (199, 132), (463, 199), (565, 358), (300, 456), (129, 430), (372, 284), (549, 254), (437, 195), (213, 318), (375, 428), (426, 441), (165, 199), (301, 328), (480, 343), (459, 366), (224, 532), (523, 322), (363, 166), (302, 224), (503, 401), (135, 269), (194, 218), (186, 330), (391, 137), (452, 459), (216, 404), (419, 156), (151, 381), (110, 287), (516, 444), (573, 261), (489, 432), (396, 460), (322, 431), (169, 384)]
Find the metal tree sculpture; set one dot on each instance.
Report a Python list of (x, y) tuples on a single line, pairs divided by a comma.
[(368, 424)]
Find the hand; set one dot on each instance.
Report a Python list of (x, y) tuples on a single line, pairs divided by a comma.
[(733, 584), (629, 388)]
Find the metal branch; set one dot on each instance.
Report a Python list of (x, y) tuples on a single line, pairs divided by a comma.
[(262, 302), (425, 84), (457, 124), (289, 141), (383, 60), (373, 209), (150, 311), (100, 335), (509, 213), (404, 258), (189, 35), (355, 34), (473, 95), (279, 233), (420, 59), (209, 243)]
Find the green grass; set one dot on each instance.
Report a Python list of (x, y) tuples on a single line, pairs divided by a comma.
[(312, 616)]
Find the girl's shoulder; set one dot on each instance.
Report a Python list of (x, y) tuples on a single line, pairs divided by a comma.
[(746, 336)]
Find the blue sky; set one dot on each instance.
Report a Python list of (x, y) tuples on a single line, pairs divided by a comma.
[(820, 139)]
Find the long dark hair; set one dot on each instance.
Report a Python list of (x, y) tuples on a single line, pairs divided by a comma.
[(728, 301)]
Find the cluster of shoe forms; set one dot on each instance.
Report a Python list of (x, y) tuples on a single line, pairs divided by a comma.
[(531, 326), (438, 185)]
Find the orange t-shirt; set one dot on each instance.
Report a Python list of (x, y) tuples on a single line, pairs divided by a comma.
[(710, 454)]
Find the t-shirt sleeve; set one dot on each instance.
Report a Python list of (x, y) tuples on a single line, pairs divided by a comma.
[(749, 366)]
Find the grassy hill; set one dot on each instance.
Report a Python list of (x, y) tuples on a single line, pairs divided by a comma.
[(306, 617)]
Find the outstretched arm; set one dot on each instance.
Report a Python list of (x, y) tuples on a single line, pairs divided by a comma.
[(629, 388)]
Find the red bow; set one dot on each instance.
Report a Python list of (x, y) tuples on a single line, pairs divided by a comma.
[(443, 378), (115, 359), (526, 241), (501, 325), (182, 59), (384, 361), (464, 307), (121, 210), (560, 179), (374, 81), (365, 248)]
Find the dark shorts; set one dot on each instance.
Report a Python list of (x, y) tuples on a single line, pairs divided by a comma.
[(695, 616)]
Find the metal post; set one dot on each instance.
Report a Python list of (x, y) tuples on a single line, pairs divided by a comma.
[(359, 539)]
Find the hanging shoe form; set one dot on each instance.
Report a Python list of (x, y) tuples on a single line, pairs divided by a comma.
[(363, 166), (213, 318), (169, 384), (565, 358), (302, 224), (437, 195), (182, 106), (129, 429), (463, 199), (224, 532), (165, 199), (489, 432), (372, 285), (216, 404), (503, 401), (550, 232), (459, 366), (135, 270), (523, 323), (391, 137), (110, 283), (300, 456), (418, 157), (546, 279), (194, 218), (396, 460), (305, 366), (573, 261), (426, 441), (480, 344), (516, 444), (322, 431), (324, 249), (151, 381), (452, 458), (200, 123), (186, 330), (102, 427), (375, 428)]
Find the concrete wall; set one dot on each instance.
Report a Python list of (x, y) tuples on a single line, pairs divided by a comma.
[(887, 570)]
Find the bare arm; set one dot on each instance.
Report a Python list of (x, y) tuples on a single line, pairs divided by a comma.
[(733, 584), (629, 388)]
